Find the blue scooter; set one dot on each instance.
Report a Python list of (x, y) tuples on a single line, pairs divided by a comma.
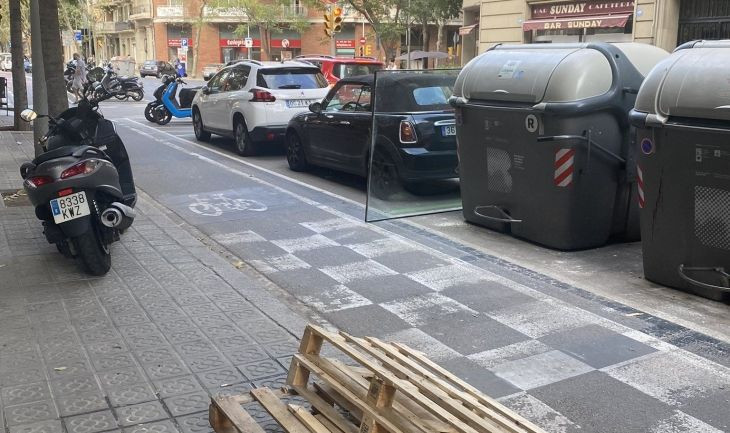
[(171, 107)]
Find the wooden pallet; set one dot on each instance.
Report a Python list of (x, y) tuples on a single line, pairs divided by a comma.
[(392, 389)]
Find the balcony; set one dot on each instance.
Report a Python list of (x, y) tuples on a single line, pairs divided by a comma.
[(114, 26), (298, 10), (210, 11), (170, 11), (140, 13)]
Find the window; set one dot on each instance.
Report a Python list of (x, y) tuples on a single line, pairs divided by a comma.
[(214, 84), (236, 79), (432, 95), (346, 70), (350, 97), (291, 78)]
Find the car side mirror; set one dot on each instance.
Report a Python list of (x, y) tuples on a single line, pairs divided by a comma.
[(315, 107), (205, 90), (28, 115), (206, 78)]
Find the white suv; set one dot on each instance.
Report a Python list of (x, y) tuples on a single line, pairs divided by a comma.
[(253, 101)]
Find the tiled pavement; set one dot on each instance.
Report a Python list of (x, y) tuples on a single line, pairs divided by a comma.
[(144, 347)]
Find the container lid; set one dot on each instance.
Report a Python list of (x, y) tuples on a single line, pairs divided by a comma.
[(693, 82)]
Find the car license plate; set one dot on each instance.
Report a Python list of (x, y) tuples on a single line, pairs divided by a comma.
[(70, 207), (298, 103), (448, 130)]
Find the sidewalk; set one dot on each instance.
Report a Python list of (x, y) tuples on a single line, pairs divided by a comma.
[(141, 349)]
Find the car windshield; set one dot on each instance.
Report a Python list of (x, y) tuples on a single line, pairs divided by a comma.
[(291, 78), (345, 70)]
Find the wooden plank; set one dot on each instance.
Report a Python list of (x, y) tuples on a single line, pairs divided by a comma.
[(311, 344), (334, 397), (427, 395), (419, 417), (229, 417), (310, 362), (278, 410), (380, 396), (326, 410), (327, 423), (406, 388), (483, 399), (307, 419), (505, 422)]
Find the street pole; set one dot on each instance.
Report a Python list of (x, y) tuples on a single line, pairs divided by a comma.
[(40, 97), (408, 36)]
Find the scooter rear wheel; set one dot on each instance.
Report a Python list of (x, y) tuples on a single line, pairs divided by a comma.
[(121, 97), (136, 95), (93, 253), (163, 116)]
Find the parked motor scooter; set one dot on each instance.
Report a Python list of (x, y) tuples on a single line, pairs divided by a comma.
[(171, 107), (149, 110), (82, 185)]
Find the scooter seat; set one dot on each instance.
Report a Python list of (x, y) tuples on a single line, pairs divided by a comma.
[(55, 153), (127, 78)]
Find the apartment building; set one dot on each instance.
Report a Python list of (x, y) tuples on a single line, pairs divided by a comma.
[(664, 23), (123, 28)]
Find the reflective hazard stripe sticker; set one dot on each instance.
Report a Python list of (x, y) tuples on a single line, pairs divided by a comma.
[(564, 160), (640, 184)]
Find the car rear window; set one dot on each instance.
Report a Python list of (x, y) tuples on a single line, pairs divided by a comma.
[(291, 78), (149, 63), (345, 70), (433, 96)]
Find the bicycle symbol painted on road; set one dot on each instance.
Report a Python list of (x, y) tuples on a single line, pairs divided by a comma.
[(218, 204)]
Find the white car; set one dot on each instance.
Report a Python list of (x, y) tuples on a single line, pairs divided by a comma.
[(6, 61), (253, 101)]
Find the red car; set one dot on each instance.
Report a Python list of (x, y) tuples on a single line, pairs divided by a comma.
[(336, 68)]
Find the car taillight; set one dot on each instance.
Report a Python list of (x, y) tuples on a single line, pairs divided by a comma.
[(262, 96), (83, 167), (38, 181), (407, 133)]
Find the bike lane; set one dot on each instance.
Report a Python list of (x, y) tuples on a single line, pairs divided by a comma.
[(567, 360)]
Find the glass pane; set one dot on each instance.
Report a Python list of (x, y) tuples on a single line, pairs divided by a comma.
[(413, 163)]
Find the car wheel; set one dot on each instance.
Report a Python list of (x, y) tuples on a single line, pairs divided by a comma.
[(295, 153), (200, 133), (244, 145), (384, 180)]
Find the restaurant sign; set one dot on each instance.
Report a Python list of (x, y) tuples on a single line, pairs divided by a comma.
[(582, 9)]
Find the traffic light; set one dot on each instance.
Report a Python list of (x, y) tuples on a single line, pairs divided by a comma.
[(361, 51), (328, 24), (337, 19), (368, 50)]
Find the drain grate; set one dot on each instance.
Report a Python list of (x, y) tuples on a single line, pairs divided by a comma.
[(15, 198)]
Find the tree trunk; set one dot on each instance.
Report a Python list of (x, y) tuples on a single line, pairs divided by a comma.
[(196, 48), (20, 93), (424, 41), (439, 40), (265, 43), (40, 98), (53, 58)]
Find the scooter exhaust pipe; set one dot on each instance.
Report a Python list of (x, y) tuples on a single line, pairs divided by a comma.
[(118, 216)]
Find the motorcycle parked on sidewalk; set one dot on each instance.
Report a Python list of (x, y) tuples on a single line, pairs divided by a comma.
[(171, 107), (81, 186), (121, 88), (149, 110)]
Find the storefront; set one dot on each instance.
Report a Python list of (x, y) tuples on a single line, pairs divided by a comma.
[(597, 21), (285, 45), (176, 33)]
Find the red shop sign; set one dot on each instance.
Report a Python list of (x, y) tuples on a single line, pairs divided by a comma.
[(584, 8), (238, 43), (176, 42), (345, 43), (293, 43)]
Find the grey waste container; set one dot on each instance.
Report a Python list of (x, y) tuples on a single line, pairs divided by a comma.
[(683, 118), (544, 143)]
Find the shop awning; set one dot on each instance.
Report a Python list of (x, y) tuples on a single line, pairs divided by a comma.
[(590, 22), (465, 30)]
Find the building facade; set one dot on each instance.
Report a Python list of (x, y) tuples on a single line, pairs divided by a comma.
[(664, 23), (123, 28)]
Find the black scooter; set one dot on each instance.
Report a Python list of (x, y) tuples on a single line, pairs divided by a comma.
[(81, 186)]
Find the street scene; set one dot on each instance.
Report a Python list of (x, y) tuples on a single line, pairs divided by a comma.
[(222, 225)]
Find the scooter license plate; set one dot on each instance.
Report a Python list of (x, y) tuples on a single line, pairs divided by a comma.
[(69, 207)]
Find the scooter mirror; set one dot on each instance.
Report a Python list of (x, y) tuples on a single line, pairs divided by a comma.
[(28, 115)]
